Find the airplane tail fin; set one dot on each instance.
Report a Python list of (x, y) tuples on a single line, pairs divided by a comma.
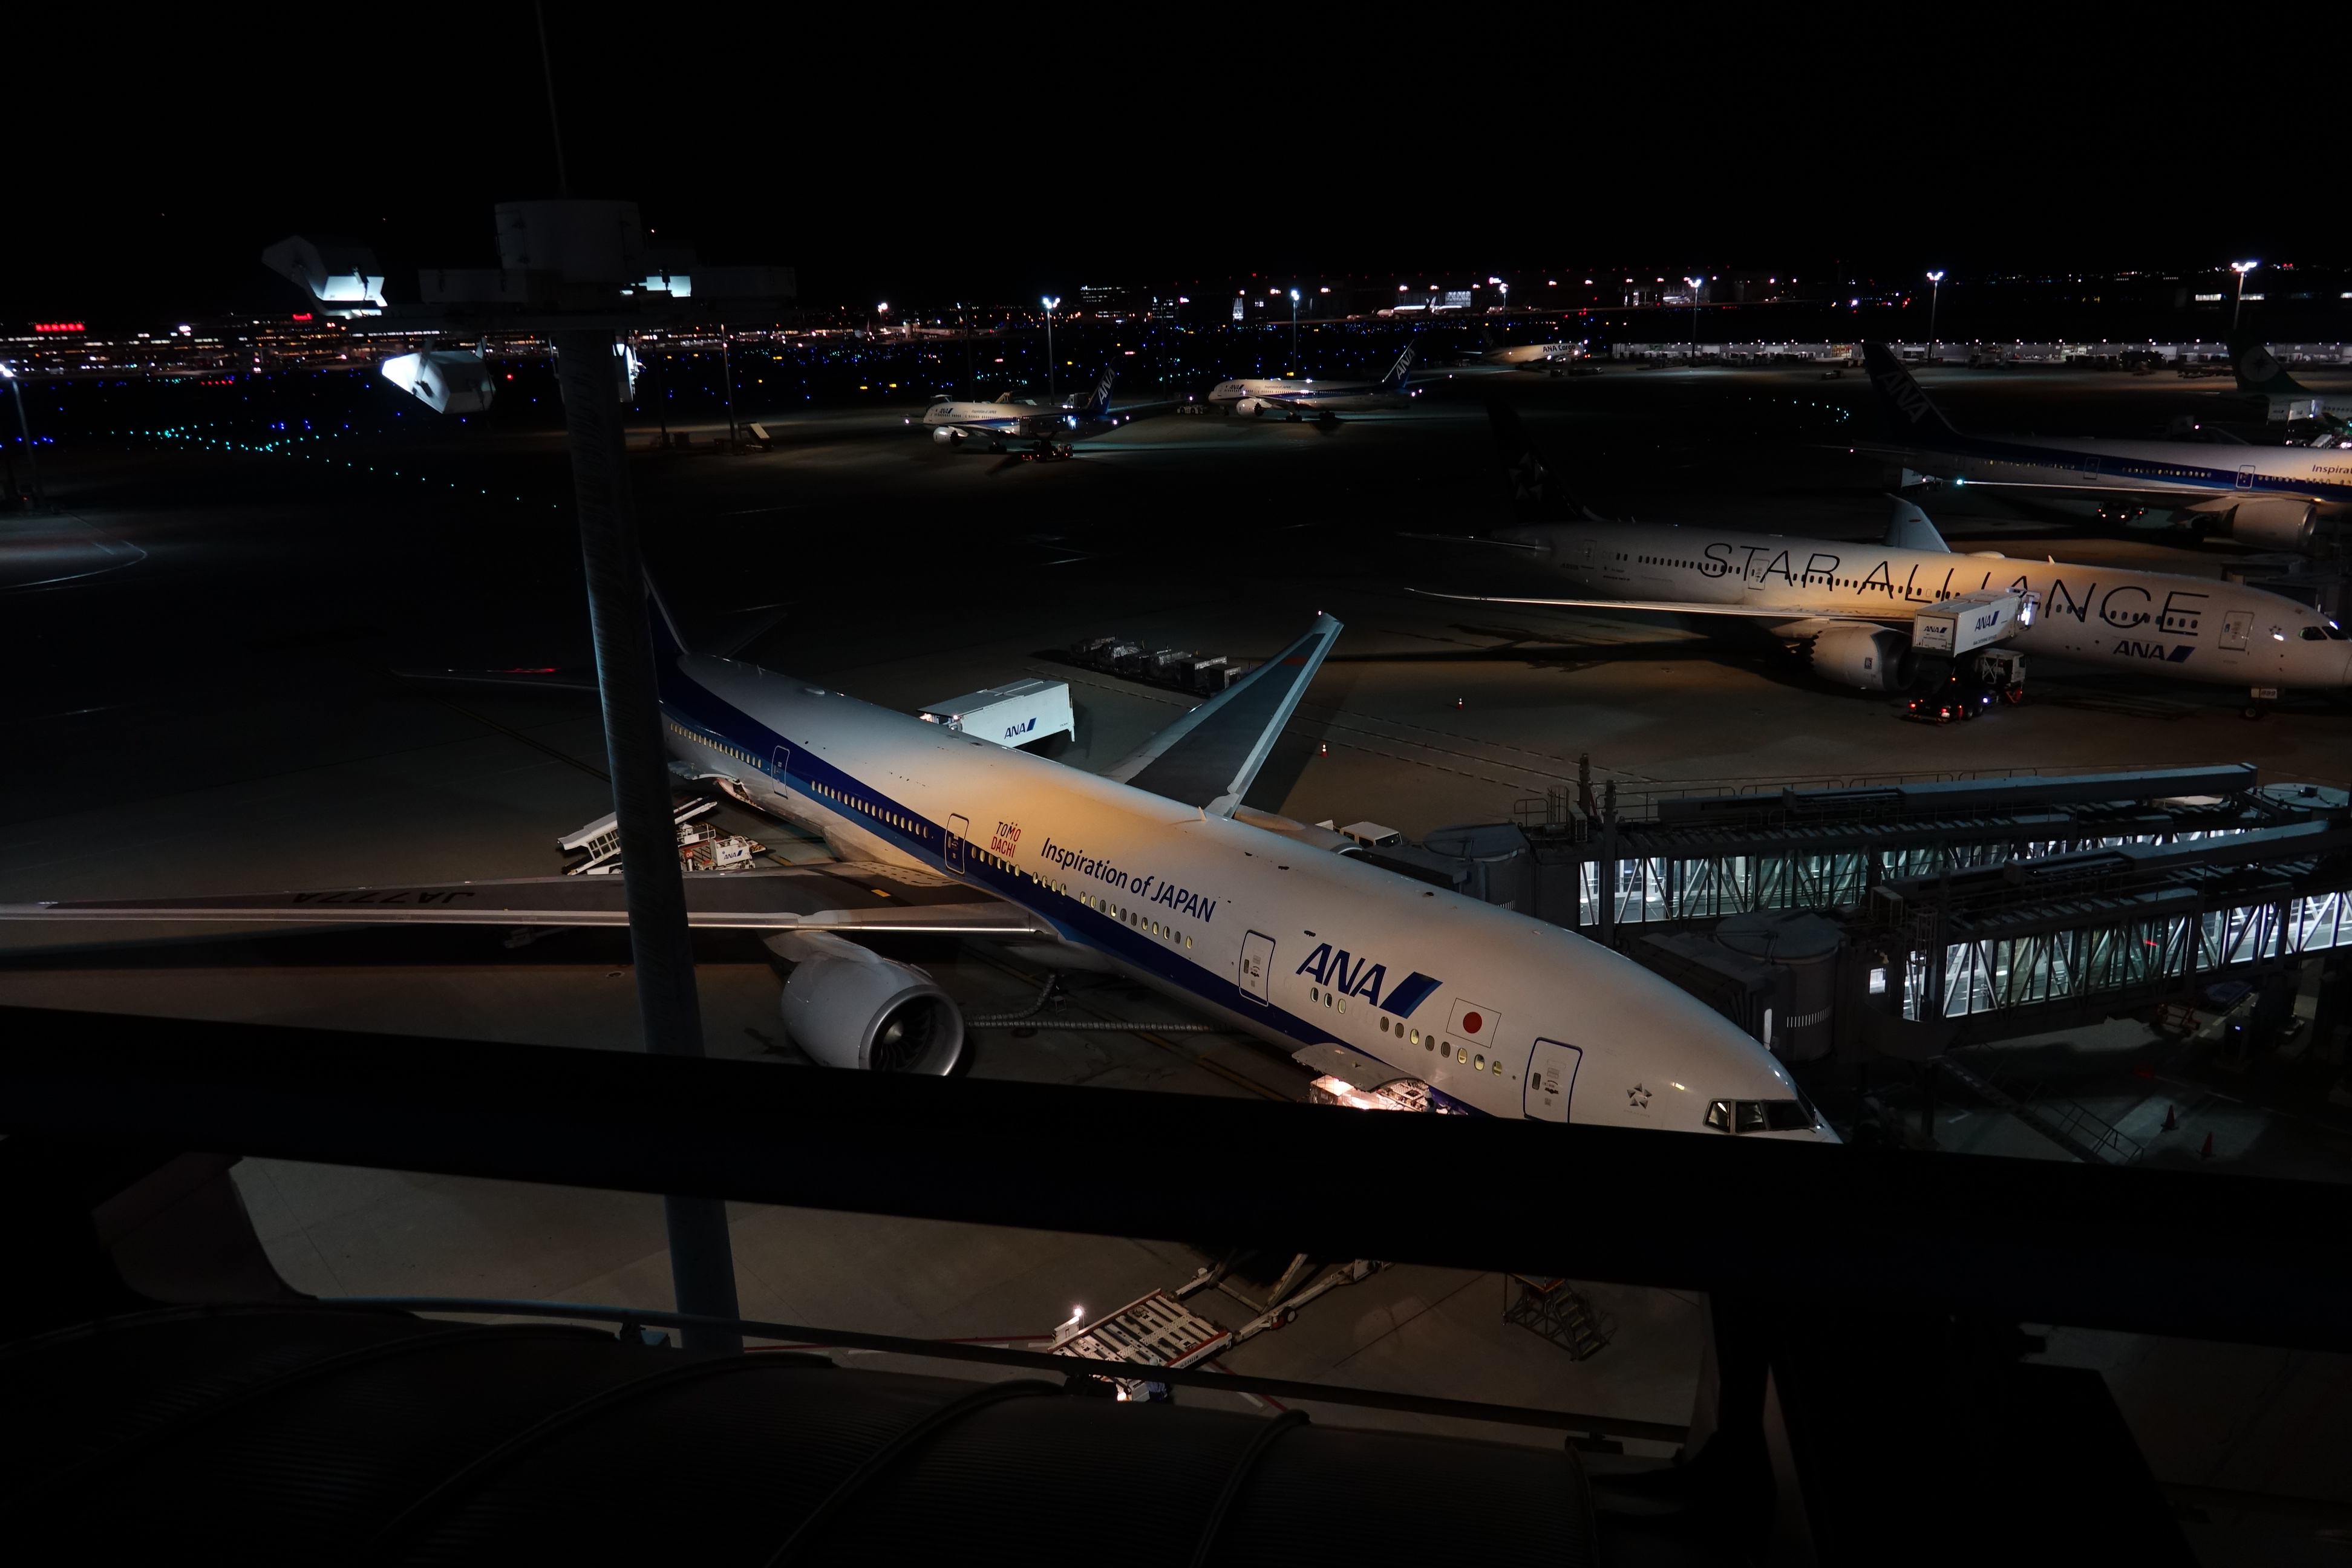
[(1536, 493), (1099, 404), (1904, 412), (1210, 756), (2259, 371), (1399, 371)]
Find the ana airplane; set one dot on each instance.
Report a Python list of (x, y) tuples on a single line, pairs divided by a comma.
[(1536, 354), (1293, 399), (2268, 496), (1405, 994), (2284, 399), (1045, 429), (1854, 606)]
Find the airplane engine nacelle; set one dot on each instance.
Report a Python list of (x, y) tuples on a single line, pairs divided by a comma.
[(872, 1012), (1869, 658), (948, 436), (2272, 523), (1251, 405)]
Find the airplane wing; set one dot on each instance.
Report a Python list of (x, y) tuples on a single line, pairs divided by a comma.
[(1210, 757), (840, 896), (1473, 538), (1782, 613)]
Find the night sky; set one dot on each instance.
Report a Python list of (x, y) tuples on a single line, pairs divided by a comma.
[(927, 153)]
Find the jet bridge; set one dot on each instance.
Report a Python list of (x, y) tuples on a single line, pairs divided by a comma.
[(1969, 907)]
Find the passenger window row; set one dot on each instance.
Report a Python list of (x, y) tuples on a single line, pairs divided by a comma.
[(1141, 923), (1428, 1041)]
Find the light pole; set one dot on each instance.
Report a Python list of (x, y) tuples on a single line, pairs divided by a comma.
[(1935, 293), (25, 430), (1696, 283), (2241, 269), (1294, 331), (1051, 300), (727, 372)]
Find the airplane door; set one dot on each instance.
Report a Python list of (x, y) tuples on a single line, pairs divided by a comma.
[(2245, 476), (1256, 967), (1551, 1079), (958, 827), (778, 769), (2234, 626)]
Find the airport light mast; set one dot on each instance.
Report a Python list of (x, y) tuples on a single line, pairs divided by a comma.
[(1294, 331), (1051, 300), (1935, 293), (24, 431), (2241, 269), (1696, 283)]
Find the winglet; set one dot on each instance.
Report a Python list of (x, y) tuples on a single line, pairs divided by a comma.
[(1910, 529), (669, 643), (1210, 757), (1904, 412)]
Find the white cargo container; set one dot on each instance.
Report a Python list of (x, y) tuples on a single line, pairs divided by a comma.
[(1969, 621), (1011, 715)]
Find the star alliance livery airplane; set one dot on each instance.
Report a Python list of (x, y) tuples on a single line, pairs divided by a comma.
[(1407, 994), (2271, 498), (1854, 605)]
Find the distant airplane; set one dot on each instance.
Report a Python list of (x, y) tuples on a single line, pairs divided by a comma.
[(1856, 607), (1536, 355), (1417, 997), (1046, 431), (2268, 496), (2260, 374), (1293, 399)]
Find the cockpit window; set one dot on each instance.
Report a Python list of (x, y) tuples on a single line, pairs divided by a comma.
[(1760, 1116)]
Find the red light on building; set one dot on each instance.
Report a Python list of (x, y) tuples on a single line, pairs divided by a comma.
[(58, 327), (301, 315)]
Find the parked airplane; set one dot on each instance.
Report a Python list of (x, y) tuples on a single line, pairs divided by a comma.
[(1853, 606), (1046, 429), (1537, 354), (1156, 871), (1294, 398), (2269, 496), (2260, 374)]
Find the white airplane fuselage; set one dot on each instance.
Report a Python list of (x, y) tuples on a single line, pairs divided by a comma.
[(1529, 354), (1264, 397), (1497, 1012), (1010, 421), (2193, 628)]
